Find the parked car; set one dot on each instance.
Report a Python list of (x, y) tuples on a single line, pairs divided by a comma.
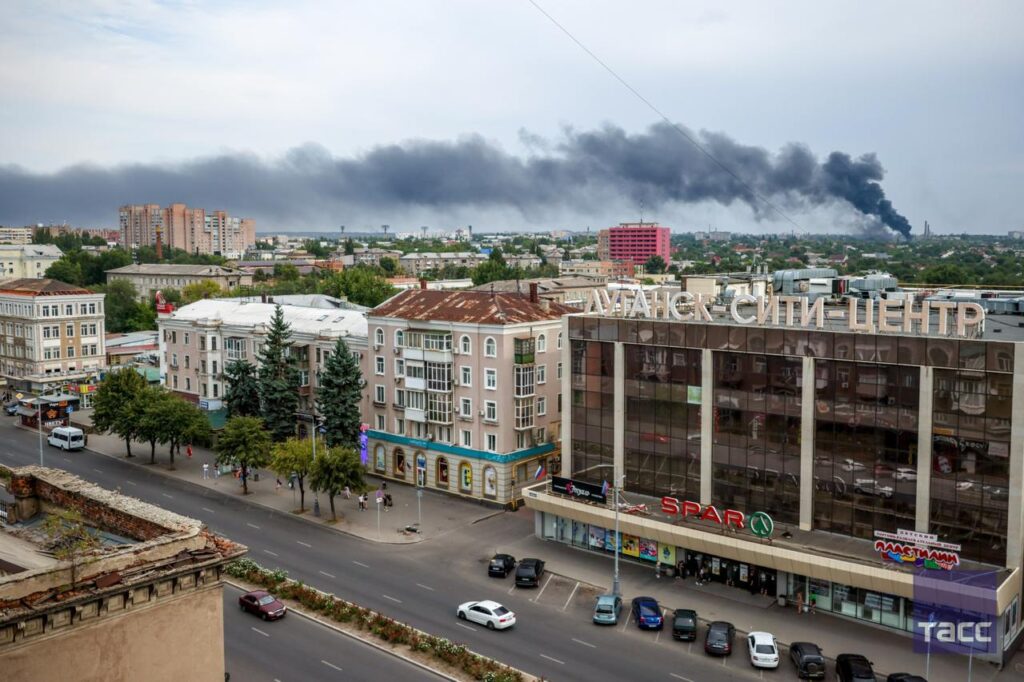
[(607, 609), (904, 677), (501, 565), (262, 604), (764, 652), (684, 625), (11, 408), (872, 486), (487, 612), (647, 613), (808, 659), (906, 474), (854, 668), (718, 640), (528, 572)]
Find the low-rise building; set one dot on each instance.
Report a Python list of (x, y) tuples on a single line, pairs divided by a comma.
[(415, 264), (372, 256), (199, 340), (27, 260), (51, 336), (148, 278), (605, 269), (463, 390), (153, 583), (133, 347)]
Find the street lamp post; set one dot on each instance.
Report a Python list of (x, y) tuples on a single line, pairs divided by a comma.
[(39, 426), (616, 586)]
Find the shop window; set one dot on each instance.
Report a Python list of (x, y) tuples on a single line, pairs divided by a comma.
[(399, 463), (490, 482), (379, 458), (442, 472), (466, 477)]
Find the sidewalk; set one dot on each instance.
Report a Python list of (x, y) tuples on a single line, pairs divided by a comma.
[(889, 651), (442, 513)]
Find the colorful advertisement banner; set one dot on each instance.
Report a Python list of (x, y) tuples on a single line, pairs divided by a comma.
[(667, 553), (597, 537), (648, 550), (631, 545)]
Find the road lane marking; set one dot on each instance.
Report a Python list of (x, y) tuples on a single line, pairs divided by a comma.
[(512, 589), (571, 595), (327, 574), (252, 525), (552, 659), (625, 622), (425, 587), (680, 677), (468, 627), (259, 631), (97, 471), (205, 509), (129, 482), (360, 563), (546, 583), (66, 459), (580, 641), (304, 544), (170, 497), (330, 665), (397, 601), (270, 553)]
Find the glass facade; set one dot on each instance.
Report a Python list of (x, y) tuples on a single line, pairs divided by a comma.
[(593, 435)]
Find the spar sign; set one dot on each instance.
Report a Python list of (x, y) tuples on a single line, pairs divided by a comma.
[(760, 523), (917, 549)]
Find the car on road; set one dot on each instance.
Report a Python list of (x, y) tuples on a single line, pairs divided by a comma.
[(872, 486), (528, 572), (904, 677), (854, 668), (852, 465), (607, 609), (11, 409), (808, 659), (488, 613), (262, 604), (684, 625), (906, 474), (718, 640), (647, 613), (764, 652), (501, 565)]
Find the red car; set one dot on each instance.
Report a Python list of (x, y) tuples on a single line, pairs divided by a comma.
[(262, 604)]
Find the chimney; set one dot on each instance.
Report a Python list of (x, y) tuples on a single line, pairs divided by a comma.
[(534, 297), (159, 244), (263, 297), (423, 284)]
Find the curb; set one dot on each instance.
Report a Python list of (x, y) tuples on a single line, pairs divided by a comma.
[(352, 635)]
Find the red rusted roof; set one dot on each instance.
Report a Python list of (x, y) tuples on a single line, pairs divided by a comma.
[(41, 287), (475, 307)]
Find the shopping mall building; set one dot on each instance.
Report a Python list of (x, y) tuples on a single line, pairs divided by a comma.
[(833, 454)]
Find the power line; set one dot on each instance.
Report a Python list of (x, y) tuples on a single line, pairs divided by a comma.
[(663, 117)]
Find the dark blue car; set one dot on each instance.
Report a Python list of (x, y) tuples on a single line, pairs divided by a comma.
[(647, 613)]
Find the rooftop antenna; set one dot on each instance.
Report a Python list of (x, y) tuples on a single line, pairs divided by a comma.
[(343, 233), (385, 228), (641, 213), (424, 228)]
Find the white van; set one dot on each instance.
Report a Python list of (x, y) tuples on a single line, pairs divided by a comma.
[(66, 438)]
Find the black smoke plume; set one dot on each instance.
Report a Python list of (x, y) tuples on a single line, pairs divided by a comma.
[(592, 173)]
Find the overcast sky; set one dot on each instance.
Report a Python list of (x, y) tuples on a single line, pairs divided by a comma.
[(409, 112)]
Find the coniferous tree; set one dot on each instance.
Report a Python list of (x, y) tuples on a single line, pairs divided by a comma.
[(278, 380), (340, 395), (242, 395)]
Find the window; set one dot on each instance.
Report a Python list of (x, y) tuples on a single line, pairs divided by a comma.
[(542, 343), (216, 390), (542, 406), (465, 477), (235, 347), (490, 379), (378, 365), (188, 383), (69, 330), (466, 407), (439, 407), (188, 361), (467, 376), (416, 400), (399, 367), (467, 438), (174, 381), (492, 442), (84, 329), (439, 376), (465, 345), (69, 309), (213, 343), (490, 411), (303, 377), (558, 341), (399, 397), (524, 413), (542, 374), (202, 343), (415, 371), (71, 351), (437, 341), (399, 426), (490, 347), (186, 338), (524, 380), (380, 422), (399, 338), (174, 360), (444, 434), (203, 394), (378, 394), (214, 363), (558, 371), (442, 472), (378, 337)]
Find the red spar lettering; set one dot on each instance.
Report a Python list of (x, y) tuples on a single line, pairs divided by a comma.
[(731, 517)]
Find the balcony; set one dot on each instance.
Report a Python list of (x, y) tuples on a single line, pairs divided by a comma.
[(415, 384), (524, 349), (414, 414)]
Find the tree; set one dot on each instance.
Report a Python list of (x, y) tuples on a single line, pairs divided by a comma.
[(241, 394), (362, 284), (350, 247), (244, 443), (389, 266), (493, 269), (278, 386), (116, 405), (335, 469), (70, 538), (340, 395), (286, 272), (151, 424), (195, 291), (655, 265), (124, 312), (183, 423), (294, 457), (65, 270)]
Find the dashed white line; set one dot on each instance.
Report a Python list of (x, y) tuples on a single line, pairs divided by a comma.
[(207, 509), (66, 460), (397, 601), (360, 563), (425, 587), (304, 544), (252, 525), (97, 471), (580, 641), (257, 630), (270, 553), (169, 497), (680, 677), (330, 665), (555, 660), (129, 482), (468, 627), (326, 573)]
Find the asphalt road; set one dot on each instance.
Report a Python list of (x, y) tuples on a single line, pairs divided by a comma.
[(419, 584), (295, 649)]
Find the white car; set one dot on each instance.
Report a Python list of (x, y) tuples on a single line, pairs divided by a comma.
[(872, 486), (489, 613), (906, 474), (764, 652), (852, 465)]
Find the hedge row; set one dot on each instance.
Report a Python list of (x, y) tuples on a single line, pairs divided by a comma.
[(387, 629)]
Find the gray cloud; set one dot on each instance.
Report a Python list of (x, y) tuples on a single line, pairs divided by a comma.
[(587, 173)]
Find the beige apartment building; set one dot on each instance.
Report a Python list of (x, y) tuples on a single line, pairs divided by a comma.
[(27, 260), (605, 269), (149, 278), (195, 230), (153, 586), (51, 337), (199, 340), (15, 235), (415, 264), (463, 390)]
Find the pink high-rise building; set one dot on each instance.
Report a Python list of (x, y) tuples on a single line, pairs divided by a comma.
[(190, 229), (634, 242)]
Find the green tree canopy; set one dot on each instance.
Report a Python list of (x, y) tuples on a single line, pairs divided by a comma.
[(183, 423), (334, 470), (244, 443), (362, 284), (294, 457), (65, 270), (655, 265), (196, 291), (116, 405), (340, 395), (278, 379), (242, 394)]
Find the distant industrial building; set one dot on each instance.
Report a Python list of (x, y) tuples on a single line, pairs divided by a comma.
[(634, 242)]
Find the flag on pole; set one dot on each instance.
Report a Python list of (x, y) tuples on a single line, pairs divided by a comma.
[(604, 488), (540, 472)]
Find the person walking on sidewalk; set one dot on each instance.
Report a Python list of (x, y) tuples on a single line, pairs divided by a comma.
[(206, 471), (799, 602), (657, 569)]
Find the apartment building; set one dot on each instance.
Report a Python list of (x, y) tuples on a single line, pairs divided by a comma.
[(372, 256), (195, 230), (27, 260), (51, 337), (198, 340), (415, 264), (604, 269), (573, 291), (148, 278), (463, 390), (15, 235), (634, 242)]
